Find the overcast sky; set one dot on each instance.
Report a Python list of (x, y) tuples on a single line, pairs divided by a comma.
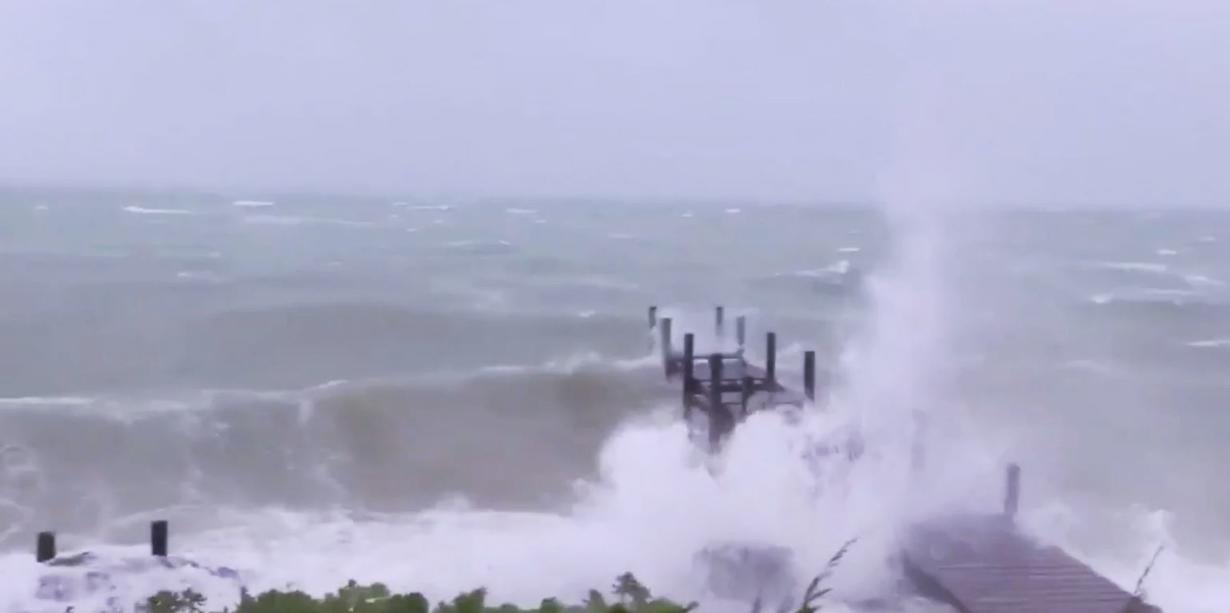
[(1058, 101)]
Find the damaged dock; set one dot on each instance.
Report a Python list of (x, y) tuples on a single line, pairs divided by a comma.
[(974, 564)]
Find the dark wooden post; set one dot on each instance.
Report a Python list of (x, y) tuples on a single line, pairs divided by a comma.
[(741, 330), (664, 328), (719, 321), (770, 360), (653, 317), (688, 381), (158, 538), (45, 549), (809, 374), (1012, 497), (748, 384), (718, 417)]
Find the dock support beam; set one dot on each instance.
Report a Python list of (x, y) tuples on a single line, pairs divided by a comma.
[(688, 381), (741, 330), (664, 328), (719, 321), (809, 374), (720, 421), (653, 317), (770, 360), (45, 548), (158, 538), (1012, 495)]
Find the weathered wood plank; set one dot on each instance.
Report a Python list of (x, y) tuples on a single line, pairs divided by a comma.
[(986, 565)]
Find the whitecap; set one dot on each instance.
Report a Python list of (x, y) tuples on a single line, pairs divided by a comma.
[(1149, 267), (1212, 343), (141, 210), (423, 207), (288, 220), (515, 211), (64, 401), (688, 215), (1167, 252), (734, 211), (1202, 281), (252, 204), (838, 268), (849, 249), (199, 275)]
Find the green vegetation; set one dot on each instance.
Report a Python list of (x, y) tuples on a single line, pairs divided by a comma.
[(628, 596)]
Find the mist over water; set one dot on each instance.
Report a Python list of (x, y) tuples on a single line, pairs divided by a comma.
[(443, 394)]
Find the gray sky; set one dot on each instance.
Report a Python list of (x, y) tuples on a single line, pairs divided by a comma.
[(1069, 101)]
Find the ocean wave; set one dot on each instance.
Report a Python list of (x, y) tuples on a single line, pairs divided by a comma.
[(422, 207), (253, 204), (291, 220), (481, 246), (368, 444), (836, 269), (140, 210), (1212, 343), (1146, 267)]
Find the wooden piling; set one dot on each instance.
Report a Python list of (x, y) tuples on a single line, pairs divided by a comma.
[(45, 548), (749, 387), (653, 317), (809, 374), (664, 328), (770, 359), (719, 321), (719, 419), (158, 537), (741, 330), (688, 381), (1012, 494)]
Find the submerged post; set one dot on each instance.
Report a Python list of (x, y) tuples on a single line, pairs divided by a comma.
[(665, 330), (688, 349), (158, 538), (1012, 497), (770, 359), (748, 389), (715, 380), (45, 548), (809, 374), (653, 316), (741, 330), (719, 321)]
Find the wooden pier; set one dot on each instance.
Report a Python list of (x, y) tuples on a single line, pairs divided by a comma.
[(724, 386), (975, 564)]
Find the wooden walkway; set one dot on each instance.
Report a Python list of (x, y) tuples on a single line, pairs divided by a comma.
[(984, 564), (975, 564)]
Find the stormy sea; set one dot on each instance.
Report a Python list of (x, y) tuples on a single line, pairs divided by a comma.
[(446, 393)]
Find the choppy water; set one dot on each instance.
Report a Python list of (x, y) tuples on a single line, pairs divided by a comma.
[(444, 394)]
